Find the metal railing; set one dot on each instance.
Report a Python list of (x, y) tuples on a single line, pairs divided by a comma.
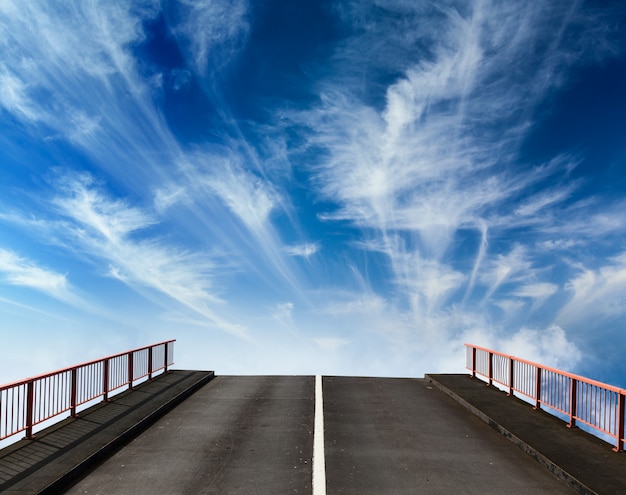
[(29, 402), (579, 399)]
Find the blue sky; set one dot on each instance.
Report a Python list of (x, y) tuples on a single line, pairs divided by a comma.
[(313, 187)]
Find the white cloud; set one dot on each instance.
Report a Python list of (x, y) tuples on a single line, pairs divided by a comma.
[(107, 229), (70, 72), (434, 155), (559, 244), (510, 307), (343, 303), (540, 290), (112, 219), (20, 271), (506, 268), (537, 292), (230, 185), (249, 197), (431, 283), (210, 30), (548, 346), (597, 296), (545, 199), (165, 198), (45, 46), (304, 250), (13, 96)]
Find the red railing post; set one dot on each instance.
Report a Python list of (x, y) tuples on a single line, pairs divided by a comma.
[(538, 389), (30, 402), (73, 389), (573, 405), (473, 362), (511, 376), (490, 368), (131, 371), (620, 422), (105, 380), (150, 363), (165, 358)]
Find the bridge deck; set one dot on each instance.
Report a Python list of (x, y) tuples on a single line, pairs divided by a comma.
[(255, 435)]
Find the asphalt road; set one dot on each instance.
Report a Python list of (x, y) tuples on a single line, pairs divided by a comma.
[(236, 435), (402, 436), (254, 435)]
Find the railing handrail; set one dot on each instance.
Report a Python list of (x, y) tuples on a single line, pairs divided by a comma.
[(598, 405), (576, 377), (27, 403), (81, 365)]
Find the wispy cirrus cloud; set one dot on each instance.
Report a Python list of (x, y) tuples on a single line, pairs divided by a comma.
[(303, 250), (430, 162), (64, 62), (107, 104), (249, 198), (110, 229), (13, 97), (210, 32), (540, 290), (387, 185), (597, 294), (22, 272)]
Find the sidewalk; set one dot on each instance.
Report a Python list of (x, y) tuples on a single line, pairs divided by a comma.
[(60, 454), (585, 462)]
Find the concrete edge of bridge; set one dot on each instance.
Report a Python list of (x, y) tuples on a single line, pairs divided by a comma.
[(525, 446)]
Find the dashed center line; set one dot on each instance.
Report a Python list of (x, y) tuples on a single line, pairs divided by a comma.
[(319, 463)]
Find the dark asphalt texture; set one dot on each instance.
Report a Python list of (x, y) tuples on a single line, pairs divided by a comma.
[(403, 436), (237, 435)]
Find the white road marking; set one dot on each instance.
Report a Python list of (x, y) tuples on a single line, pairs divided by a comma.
[(319, 463)]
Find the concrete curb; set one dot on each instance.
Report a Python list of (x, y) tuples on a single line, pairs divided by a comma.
[(521, 444)]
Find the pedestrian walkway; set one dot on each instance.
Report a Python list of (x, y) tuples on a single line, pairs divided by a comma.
[(585, 462), (66, 450)]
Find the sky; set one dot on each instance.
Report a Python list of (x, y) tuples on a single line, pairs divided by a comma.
[(313, 187)]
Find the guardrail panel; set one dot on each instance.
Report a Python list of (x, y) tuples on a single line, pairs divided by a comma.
[(32, 401), (90, 383), (140, 364), (118, 371), (51, 396), (12, 410)]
